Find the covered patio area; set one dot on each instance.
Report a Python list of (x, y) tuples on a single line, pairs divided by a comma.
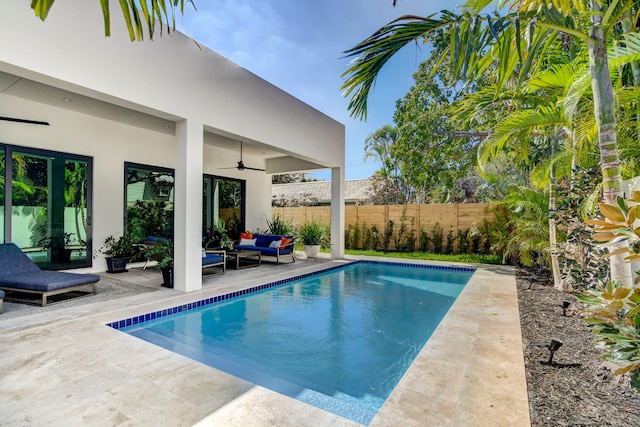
[(109, 111)]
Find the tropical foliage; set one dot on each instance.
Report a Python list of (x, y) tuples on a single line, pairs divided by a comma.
[(139, 15), (613, 314), (549, 87), (279, 226)]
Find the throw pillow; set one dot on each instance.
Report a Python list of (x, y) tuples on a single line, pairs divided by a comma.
[(204, 254), (285, 242), (246, 235), (247, 242), (275, 244)]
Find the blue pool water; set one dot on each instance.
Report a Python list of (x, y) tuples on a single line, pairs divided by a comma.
[(340, 340)]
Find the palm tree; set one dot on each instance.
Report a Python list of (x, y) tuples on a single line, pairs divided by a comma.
[(137, 14), (480, 40), (378, 146)]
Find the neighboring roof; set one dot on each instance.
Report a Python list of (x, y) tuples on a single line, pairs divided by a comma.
[(354, 190)]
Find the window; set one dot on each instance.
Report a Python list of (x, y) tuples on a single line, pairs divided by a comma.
[(149, 201)]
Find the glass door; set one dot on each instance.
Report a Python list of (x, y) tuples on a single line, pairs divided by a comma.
[(2, 198), (50, 218)]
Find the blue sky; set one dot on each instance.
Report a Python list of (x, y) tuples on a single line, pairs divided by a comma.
[(297, 45)]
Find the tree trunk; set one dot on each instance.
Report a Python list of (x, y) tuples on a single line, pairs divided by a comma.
[(553, 239), (604, 110), (628, 26)]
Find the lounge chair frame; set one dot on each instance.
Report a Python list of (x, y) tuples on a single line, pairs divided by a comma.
[(88, 289)]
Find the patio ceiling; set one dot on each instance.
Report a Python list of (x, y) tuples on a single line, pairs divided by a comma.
[(142, 117)]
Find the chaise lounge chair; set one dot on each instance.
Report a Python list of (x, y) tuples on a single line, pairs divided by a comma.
[(18, 273)]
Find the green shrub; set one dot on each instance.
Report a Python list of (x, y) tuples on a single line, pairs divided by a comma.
[(280, 227), (313, 233), (437, 238), (388, 235)]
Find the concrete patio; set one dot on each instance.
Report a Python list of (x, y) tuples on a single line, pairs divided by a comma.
[(65, 367)]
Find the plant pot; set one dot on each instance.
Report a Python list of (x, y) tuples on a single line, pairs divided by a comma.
[(167, 277), (311, 251), (116, 265)]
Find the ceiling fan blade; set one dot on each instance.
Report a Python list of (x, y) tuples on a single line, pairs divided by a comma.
[(30, 122), (241, 165)]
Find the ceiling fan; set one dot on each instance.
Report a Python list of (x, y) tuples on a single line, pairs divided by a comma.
[(241, 165)]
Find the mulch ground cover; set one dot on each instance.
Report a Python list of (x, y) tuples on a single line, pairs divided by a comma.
[(576, 389)]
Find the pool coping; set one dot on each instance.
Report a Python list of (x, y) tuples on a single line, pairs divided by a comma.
[(471, 371)]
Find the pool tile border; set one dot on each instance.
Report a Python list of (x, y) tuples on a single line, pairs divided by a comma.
[(213, 300)]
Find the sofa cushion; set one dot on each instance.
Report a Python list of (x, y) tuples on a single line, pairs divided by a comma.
[(246, 235), (247, 242), (274, 251), (285, 241), (262, 240), (47, 280), (275, 244)]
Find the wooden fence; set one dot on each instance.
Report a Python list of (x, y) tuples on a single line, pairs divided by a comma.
[(448, 216)]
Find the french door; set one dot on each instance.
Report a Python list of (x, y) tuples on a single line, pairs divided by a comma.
[(47, 208)]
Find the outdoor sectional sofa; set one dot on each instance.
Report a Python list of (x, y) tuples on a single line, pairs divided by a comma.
[(263, 243), (18, 273)]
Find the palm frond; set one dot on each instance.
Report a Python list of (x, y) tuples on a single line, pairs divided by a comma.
[(138, 15), (372, 54), (517, 129), (626, 53)]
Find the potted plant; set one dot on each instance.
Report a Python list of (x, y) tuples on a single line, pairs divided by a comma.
[(225, 240), (162, 252), (119, 252), (58, 247), (313, 235)]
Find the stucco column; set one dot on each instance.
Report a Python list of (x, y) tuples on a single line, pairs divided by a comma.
[(337, 213), (188, 206)]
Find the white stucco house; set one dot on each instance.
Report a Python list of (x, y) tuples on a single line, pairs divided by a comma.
[(83, 118)]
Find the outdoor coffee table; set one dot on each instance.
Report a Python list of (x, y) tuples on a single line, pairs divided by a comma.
[(244, 259)]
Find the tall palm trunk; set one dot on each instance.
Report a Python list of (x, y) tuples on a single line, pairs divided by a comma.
[(553, 239), (605, 116), (628, 26)]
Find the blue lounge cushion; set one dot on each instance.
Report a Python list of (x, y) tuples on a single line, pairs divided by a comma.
[(47, 280), (18, 271)]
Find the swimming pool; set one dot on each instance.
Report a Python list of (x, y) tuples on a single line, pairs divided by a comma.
[(339, 339)]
